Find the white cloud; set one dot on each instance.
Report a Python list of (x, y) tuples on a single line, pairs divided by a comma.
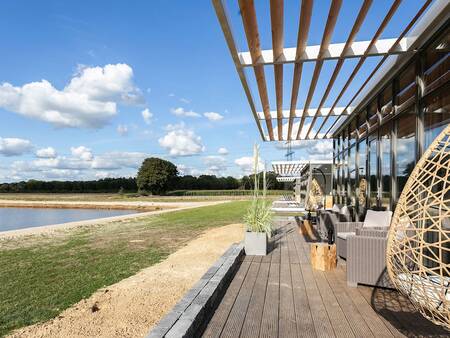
[(118, 160), (112, 164), (183, 113), (247, 163), (14, 146), (181, 141), (89, 100), (222, 151), (81, 153), (48, 152), (215, 164), (212, 116), (147, 115), (188, 170), (122, 129), (185, 100)]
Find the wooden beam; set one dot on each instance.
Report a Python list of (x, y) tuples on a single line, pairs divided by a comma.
[(229, 38), (285, 114), (303, 30), (277, 20), (376, 36), (335, 51), (380, 63), (326, 38), (351, 38), (251, 31)]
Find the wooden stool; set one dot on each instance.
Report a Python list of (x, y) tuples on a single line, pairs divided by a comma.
[(306, 229), (323, 256)]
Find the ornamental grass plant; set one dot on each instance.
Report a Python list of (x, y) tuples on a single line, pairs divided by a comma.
[(259, 215)]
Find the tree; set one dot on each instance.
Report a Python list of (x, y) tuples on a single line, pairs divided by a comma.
[(156, 176)]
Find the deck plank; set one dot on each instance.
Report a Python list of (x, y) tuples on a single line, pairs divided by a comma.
[(337, 317), (287, 326), (304, 320), (376, 325), (269, 321), (236, 318), (253, 317), (217, 322), (319, 313), (354, 318)]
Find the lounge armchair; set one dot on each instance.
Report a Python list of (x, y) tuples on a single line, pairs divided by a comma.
[(375, 221), (366, 258), (327, 219)]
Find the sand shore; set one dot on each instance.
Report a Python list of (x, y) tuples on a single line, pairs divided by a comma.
[(156, 207)]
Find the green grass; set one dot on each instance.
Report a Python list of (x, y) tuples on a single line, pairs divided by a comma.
[(40, 276)]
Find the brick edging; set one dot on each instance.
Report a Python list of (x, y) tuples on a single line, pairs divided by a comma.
[(191, 314)]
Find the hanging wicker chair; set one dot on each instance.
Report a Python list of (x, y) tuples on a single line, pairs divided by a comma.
[(315, 195), (418, 251)]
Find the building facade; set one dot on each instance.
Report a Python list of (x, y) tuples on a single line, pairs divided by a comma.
[(376, 148)]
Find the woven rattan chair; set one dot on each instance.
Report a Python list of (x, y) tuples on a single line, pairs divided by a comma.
[(418, 251)]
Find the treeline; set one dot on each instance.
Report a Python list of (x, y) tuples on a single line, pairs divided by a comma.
[(123, 184), (105, 185)]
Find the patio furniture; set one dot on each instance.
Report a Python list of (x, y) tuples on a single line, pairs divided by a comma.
[(366, 257), (375, 221), (327, 219), (418, 253), (323, 256)]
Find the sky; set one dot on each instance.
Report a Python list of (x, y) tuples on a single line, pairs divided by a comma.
[(88, 89)]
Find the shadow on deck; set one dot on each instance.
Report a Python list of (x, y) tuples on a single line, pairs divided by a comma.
[(280, 295)]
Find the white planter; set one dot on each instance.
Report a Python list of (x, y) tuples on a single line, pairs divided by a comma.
[(255, 243)]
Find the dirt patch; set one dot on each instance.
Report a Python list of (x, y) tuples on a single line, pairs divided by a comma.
[(133, 306)]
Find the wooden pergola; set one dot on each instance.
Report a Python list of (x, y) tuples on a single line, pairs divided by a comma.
[(321, 119)]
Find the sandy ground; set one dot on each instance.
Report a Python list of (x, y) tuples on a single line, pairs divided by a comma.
[(133, 306), (164, 208)]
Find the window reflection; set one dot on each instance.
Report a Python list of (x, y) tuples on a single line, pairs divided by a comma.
[(405, 161), (386, 165)]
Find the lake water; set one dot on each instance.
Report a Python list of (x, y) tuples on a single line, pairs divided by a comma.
[(20, 218)]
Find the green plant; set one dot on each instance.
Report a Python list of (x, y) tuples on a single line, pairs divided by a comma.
[(259, 215), (156, 176)]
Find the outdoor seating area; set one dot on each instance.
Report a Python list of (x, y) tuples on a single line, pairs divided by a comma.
[(281, 295)]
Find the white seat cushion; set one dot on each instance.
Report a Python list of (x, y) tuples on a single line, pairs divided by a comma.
[(377, 219), (344, 235)]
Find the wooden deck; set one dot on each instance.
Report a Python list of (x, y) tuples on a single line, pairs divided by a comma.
[(280, 295)]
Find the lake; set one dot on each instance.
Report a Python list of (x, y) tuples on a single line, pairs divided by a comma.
[(20, 218)]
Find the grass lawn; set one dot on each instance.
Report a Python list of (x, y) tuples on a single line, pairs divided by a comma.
[(40, 276)]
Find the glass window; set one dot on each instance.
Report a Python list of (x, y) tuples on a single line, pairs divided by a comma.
[(344, 172), (437, 114), (405, 160), (386, 165), (362, 185), (351, 176), (373, 170), (386, 100), (407, 87), (372, 113), (362, 121), (437, 62), (352, 132)]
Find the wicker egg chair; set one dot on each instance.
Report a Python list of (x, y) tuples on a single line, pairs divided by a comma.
[(315, 195), (418, 251)]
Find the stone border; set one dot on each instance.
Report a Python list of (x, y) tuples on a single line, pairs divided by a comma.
[(191, 314)]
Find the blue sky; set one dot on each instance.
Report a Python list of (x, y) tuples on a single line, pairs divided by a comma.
[(76, 77)]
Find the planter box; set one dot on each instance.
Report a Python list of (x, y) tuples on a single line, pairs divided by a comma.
[(255, 243)]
